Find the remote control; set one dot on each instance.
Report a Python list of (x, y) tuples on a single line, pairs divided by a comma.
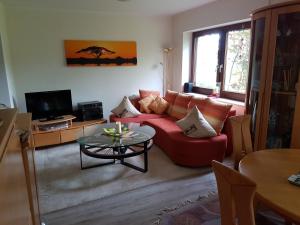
[(294, 179)]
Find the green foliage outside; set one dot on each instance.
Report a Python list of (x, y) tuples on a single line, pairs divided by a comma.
[(237, 60)]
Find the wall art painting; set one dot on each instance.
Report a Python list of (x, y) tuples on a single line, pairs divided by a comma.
[(100, 53)]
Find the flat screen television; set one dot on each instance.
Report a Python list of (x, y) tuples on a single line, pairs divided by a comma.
[(49, 105)]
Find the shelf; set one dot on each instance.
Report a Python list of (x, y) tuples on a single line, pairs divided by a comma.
[(53, 125), (64, 119), (291, 93)]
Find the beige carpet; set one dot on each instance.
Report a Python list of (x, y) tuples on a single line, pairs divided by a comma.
[(63, 184)]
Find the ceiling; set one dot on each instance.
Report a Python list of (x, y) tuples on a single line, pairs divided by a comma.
[(139, 7)]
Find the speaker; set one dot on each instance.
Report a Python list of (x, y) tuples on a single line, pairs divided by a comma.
[(187, 87), (90, 110)]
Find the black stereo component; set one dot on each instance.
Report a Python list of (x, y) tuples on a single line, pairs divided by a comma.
[(187, 87), (90, 110)]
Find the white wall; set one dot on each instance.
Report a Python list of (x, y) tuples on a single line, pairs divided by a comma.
[(36, 38), (217, 13), (7, 90)]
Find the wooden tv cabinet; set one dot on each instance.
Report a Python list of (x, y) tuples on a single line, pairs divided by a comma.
[(60, 131)]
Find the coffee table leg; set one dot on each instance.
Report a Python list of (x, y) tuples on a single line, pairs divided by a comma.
[(145, 169), (95, 165), (80, 148), (146, 161)]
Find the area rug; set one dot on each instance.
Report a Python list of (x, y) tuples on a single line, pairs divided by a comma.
[(63, 184), (205, 210)]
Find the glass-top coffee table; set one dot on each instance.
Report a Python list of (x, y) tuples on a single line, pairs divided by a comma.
[(136, 141)]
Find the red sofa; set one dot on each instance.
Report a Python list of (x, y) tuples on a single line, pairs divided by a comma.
[(183, 150)]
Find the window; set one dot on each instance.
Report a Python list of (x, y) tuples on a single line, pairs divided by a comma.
[(221, 60), (207, 63)]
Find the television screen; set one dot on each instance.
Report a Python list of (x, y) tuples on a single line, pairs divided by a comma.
[(49, 104)]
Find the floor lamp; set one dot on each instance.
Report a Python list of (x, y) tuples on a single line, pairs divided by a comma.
[(166, 69)]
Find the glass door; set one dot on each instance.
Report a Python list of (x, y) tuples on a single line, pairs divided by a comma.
[(285, 74), (256, 84)]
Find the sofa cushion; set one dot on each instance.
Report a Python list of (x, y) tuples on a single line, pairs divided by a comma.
[(159, 105), (138, 119), (180, 106), (197, 101), (146, 93), (145, 103), (170, 98), (167, 124), (125, 109), (183, 150), (194, 125), (216, 114)]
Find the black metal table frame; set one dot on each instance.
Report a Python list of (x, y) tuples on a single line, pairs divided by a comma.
[(120, 155)]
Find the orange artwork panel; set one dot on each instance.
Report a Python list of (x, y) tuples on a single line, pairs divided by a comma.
[(100, 53)]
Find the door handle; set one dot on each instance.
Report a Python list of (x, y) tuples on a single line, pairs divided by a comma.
[(220, 68)]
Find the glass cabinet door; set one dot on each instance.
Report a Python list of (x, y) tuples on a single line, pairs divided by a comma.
[(253, 107), (284, 78)]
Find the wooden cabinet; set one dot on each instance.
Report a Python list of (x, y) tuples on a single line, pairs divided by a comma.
[(273, 97), (46, 138), (71, 132), (18, 190)]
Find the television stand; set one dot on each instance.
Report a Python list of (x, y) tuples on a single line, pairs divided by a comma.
[(53, 132), (61, 122), (51, 118)]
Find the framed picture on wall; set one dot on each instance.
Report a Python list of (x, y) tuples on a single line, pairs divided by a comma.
[(100, 53)]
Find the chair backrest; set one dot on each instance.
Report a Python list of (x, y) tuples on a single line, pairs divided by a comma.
[(236, 194), (241, 137)]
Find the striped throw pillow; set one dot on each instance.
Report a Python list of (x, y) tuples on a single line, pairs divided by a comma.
[(170, 98), (197, 101), (180, 106), (216, 114)]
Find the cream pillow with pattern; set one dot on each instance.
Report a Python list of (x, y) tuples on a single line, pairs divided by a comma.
[(194, 125), (125, 109)]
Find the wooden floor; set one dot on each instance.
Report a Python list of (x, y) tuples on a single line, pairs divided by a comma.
[(136, 207)]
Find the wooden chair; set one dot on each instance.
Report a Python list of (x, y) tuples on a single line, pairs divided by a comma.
[(236, 194), (241, 137)]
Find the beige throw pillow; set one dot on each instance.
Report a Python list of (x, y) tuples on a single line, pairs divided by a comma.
[(145, 103), (194, 125), (159, 105), (125, 109)]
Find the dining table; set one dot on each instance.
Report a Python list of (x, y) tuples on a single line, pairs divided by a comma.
[(270, 170)]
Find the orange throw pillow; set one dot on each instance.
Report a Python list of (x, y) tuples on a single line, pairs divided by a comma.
[(200, 102), (179, 109), (170, 98), (159, 105), (216, 114), (145, 103), (146, 93)]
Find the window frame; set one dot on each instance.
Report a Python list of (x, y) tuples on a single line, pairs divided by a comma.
[(220, 76)]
